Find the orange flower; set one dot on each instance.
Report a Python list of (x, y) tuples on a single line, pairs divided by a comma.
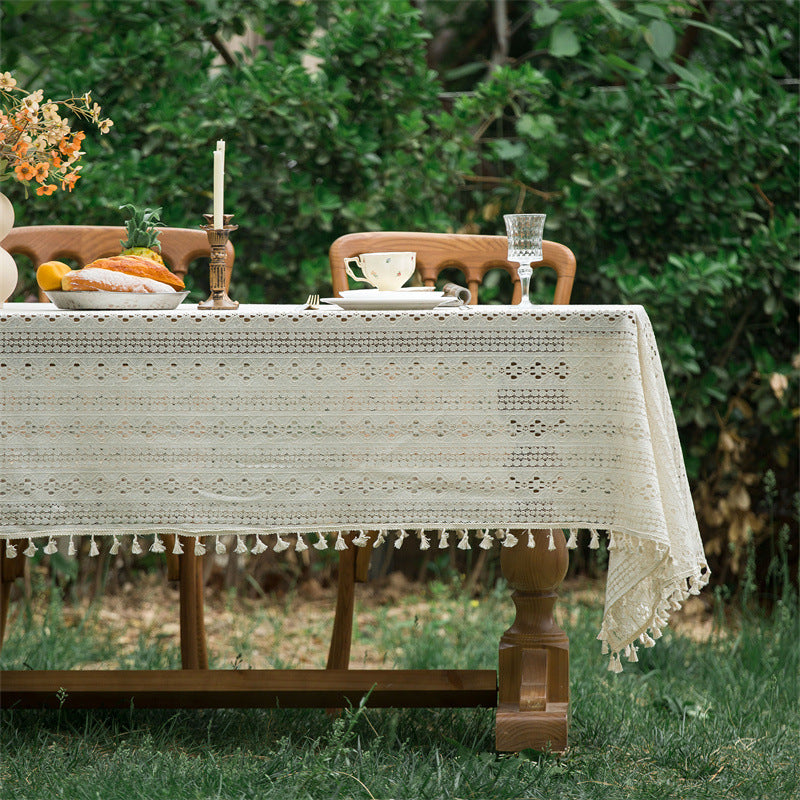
[(56, 159), (47, 189), (69, 180), (20, 147), (40, 171), (24, 171)]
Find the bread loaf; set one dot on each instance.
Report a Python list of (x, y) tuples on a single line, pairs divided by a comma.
[(140, 266), (92, 279)]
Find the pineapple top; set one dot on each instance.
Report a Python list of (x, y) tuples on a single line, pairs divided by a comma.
[(141, 228)]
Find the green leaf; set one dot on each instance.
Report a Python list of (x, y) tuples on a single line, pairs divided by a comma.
[(661, 38), (650, 10), (718, 31), (616, 62), (546, 15), (563, 41), (618, 17), (508, 151)]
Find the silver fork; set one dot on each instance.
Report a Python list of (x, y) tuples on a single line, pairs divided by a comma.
[(312, 302)]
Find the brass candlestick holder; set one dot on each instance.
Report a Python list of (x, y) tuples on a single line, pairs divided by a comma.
[(218, 239)]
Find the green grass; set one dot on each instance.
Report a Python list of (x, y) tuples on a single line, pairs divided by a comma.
[(711, 720)]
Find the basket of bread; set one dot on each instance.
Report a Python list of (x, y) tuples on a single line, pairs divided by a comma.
[(117, 282)]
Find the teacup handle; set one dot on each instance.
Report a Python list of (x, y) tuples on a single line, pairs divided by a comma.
[(359, 278)]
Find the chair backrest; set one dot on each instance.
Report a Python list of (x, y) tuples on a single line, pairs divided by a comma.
[(474, 255), (85, 243)]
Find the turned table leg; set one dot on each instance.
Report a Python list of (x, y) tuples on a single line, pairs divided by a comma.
[(533, 699)]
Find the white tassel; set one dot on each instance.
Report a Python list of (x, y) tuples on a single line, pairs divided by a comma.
[(361, 540), (604, 648), (646, 640), (94, 550), (30, 550), (551, 545), (615, 665), (300, 545), (657, 633), (136, 547), (572, 542), (486, 541), (51, 546), (401, 537), (114, 546), (71, 549), (464, 542), (424, 542), (531, 540), (199, 547), (341, 544), (321, 543), (280, 544), (177, 548), (241, 547), (219, 546), (509, 540), (157, 546), (258, 547), (631, 653), (443, 539), (11, 550), (594, 544), (381, 538)]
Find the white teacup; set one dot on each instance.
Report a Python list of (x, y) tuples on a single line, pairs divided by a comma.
[(385, 271)]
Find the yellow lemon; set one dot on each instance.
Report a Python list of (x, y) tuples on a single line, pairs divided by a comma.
[(50, 273)]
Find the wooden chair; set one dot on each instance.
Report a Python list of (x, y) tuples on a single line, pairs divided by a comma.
[(475, 256), (85, 243)]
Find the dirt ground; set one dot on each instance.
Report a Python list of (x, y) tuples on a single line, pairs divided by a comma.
[(293, 629)]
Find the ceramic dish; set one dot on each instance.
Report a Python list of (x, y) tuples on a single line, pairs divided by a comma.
[(113, 301), (393, 301), (369, 292)]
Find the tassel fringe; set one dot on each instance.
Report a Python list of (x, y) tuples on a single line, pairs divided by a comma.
[(572, 542)]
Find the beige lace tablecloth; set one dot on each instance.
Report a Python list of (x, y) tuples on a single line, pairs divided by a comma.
[(270, 423)]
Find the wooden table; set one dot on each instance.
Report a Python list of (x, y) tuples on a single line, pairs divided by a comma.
[(270, 423)]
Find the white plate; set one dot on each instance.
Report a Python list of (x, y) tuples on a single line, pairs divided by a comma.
[(367, 292), (114, 301), (394, 301)]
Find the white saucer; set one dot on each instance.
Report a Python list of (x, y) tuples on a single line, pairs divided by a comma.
[(393, 301), (367, 292)]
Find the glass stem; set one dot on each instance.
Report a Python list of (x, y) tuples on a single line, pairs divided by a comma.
[(525, 271)]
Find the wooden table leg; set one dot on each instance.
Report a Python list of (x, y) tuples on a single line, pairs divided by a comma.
[(10, 570), (533, 700), (342, 633), (192, 619)]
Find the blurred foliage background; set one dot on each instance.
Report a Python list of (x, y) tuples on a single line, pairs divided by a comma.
[(660, 138)]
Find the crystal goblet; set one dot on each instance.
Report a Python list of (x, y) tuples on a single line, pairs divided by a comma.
[(524, 246)]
